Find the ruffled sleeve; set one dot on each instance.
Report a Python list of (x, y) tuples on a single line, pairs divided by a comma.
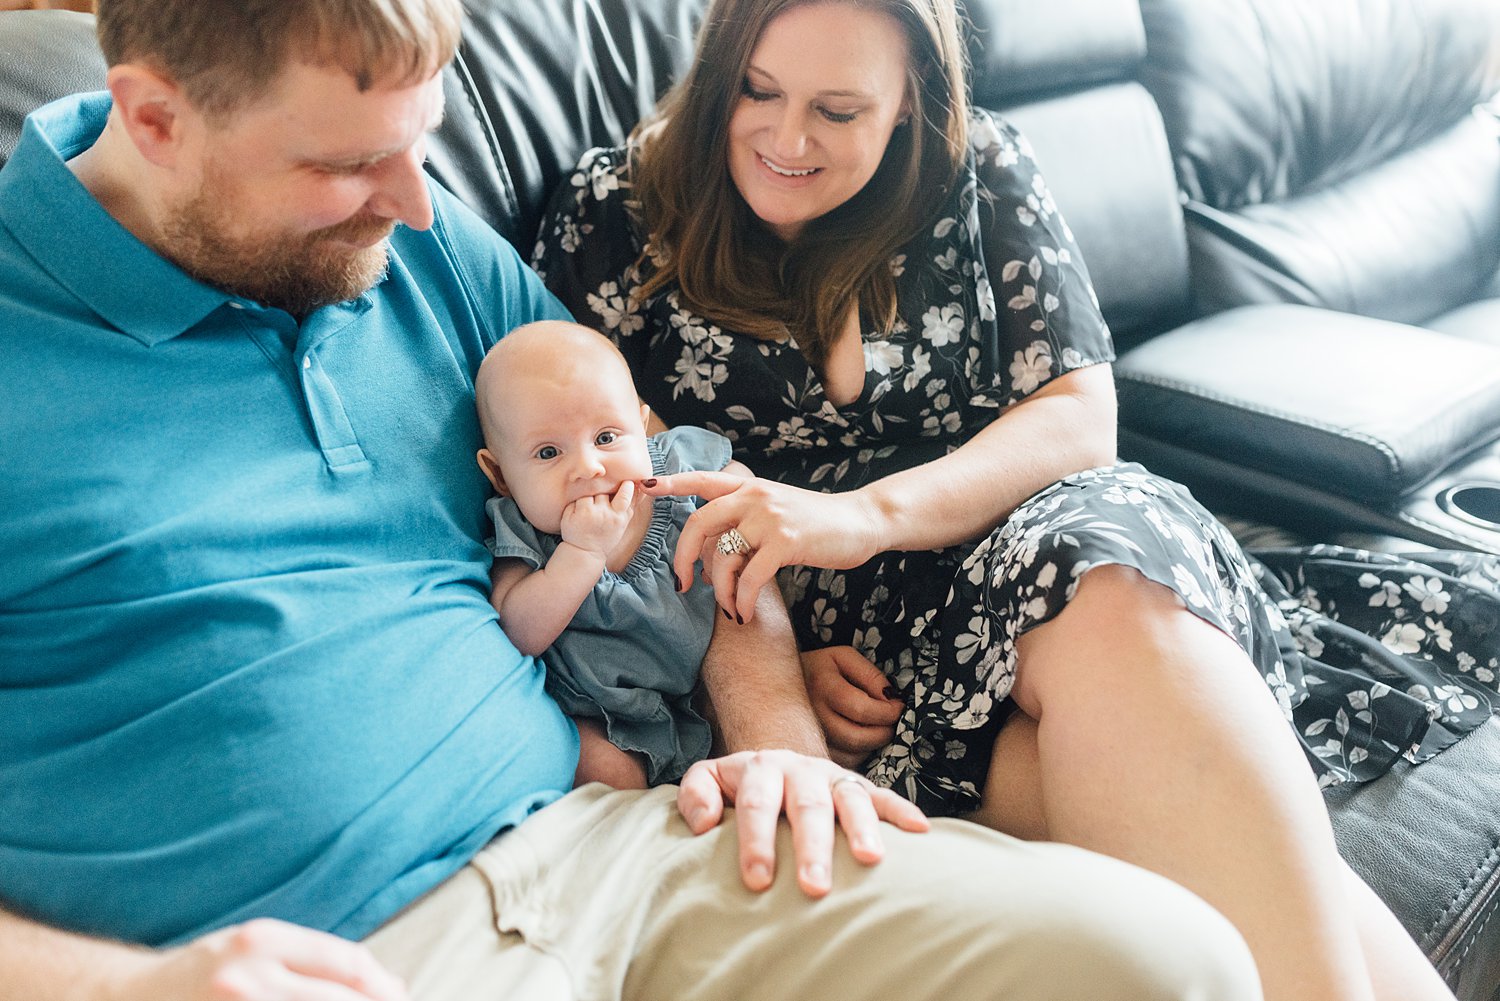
[(514, 537), (588, 248), (1039, 314)]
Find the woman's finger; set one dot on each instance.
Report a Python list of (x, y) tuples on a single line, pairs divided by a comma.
[(724, 574), (702, 528), (862, 673), (709, 485)]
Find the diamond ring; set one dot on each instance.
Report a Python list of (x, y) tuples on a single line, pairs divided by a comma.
[(732, 543)]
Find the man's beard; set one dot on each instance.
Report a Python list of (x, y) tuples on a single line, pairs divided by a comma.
[(295, 272)]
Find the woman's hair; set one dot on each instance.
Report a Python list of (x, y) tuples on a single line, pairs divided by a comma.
[(225, 53), (726, 264)]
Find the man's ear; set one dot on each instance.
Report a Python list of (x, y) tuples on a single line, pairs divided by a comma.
[(491, 468), (153, 110)]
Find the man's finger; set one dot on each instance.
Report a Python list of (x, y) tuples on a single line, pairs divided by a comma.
[(858, 817), (700, 798), (809, 810), (757, 809)]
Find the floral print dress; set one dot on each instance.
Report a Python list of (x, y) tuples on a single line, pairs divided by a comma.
[(1370, 657)]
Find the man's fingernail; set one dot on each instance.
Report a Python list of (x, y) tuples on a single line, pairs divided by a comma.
[(649, 482), (817, 875), (759, 874), (890, 692)]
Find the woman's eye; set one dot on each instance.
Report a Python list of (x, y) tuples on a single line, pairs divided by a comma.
[(753, 94), (547, 452), (840, 117), (606, 438)]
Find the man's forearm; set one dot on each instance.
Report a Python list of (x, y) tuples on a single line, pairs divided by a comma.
[(754, 682), (38, 963)]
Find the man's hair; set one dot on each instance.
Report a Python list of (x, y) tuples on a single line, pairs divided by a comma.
[(225, 53), (705, 238)]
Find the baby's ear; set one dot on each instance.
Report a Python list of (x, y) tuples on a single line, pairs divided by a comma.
[(645, 415), (491, 469)]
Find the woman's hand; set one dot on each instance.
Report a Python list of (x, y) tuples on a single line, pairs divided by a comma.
[(783, 525), (854, 702)]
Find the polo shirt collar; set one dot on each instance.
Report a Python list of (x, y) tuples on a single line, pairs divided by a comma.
[(71, 236)]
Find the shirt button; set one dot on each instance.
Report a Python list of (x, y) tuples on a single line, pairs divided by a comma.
[(306, 362), (236, 305)]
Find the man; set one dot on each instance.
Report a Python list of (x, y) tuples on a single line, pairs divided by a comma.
[(255, 706)]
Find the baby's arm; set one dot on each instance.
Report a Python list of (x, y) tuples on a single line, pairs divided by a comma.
[(535, 606)]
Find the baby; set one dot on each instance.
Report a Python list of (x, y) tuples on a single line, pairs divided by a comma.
[(583, 561)]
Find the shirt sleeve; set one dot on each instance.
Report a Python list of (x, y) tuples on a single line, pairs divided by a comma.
[(505, 293), (589, 247), (1034, 290)]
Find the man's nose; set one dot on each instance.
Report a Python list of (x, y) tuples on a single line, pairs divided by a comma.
[(401, 191)]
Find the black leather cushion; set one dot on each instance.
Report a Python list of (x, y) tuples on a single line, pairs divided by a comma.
[(44, 55), (550, 80), (1360, 407), (1329, 151), (1436, 866), (1023, 49)]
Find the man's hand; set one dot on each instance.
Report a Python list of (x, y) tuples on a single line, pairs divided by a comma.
[(266, 960), (812, 792), (854, 703), (598, 523)]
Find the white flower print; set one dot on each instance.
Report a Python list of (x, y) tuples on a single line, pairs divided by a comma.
[(1429, 592), (1388, 593), (616, 311), (882, 356), (921, 365), (1030, 368), (1454, 699), (1403, 637), (698, 374), (943, 325)]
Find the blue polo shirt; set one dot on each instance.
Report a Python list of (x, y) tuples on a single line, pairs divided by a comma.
[(248, 664)]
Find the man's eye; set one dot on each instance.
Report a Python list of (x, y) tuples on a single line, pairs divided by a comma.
[(606, 438), (547, 452)]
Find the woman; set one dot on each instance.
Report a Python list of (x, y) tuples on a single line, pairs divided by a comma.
[(816, 249)]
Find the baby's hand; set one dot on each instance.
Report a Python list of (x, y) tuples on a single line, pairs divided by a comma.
[(598, 523)]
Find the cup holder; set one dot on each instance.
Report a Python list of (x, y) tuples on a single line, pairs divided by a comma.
[(1475, 503)]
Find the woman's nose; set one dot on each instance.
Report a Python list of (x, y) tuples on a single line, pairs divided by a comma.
[(789, 137)]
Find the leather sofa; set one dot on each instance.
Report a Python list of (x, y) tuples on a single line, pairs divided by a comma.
[(1291, 211)]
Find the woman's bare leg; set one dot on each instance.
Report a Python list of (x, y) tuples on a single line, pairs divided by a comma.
[(1157, 744)]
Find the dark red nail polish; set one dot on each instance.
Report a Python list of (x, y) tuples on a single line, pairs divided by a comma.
[(890, 692), (676, 580), (649, 482), (725, 611), (738, 619)]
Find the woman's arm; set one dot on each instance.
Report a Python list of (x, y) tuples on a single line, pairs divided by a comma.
[(1062, 428)]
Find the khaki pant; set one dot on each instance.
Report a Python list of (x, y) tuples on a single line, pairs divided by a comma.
[(607, 895)]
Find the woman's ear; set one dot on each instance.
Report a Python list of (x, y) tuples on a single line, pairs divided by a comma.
[(153, 110), (490, 466)]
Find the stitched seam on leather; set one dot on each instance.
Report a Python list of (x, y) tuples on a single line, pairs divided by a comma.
[(1375, 443), (471, 94), (1459, 531), (1469, 947), (1450, 911)]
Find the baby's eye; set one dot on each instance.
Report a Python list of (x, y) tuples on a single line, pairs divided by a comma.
[(606, 438), (752, 93), (547, 452)]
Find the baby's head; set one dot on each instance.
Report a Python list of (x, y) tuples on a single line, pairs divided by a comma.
[(560, 419)]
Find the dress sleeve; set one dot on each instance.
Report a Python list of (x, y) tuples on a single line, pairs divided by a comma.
[(1034, 290), (514, 537), (688, 448), (588, 248)]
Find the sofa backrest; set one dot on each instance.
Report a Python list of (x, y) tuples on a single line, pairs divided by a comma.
[(1330, 153), (536, 84)]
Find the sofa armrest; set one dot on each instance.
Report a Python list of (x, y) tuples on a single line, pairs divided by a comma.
[(1356, 407)]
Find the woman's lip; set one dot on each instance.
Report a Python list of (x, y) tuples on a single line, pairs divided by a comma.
[(766, 165)]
